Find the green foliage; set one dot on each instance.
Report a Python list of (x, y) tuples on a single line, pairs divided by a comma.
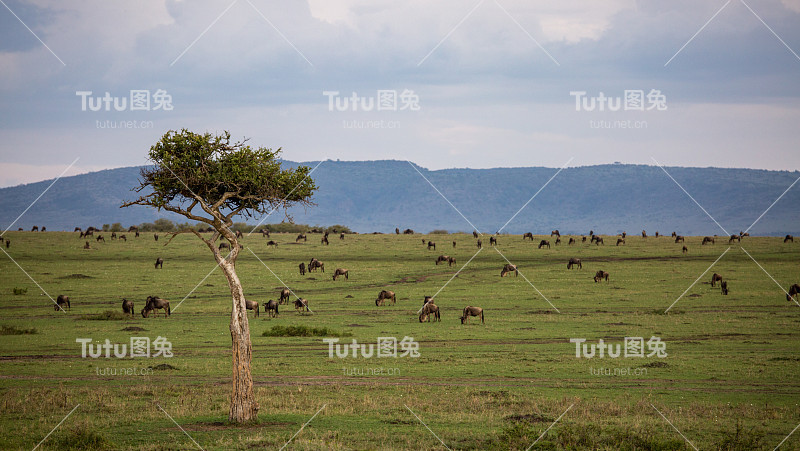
[(82, 437), (303, 331), (107, 315), (12, 330), (439, 232), (20, 291)]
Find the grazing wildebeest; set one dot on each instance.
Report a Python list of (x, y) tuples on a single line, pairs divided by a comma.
[(423, 241), (272, 243), (427, 310), (571, 241), (492, 241), (160, 263), (715, 278), (8, 243), (674, 234), (386, 295), (85, 246), (743, 234), (431, 244), (788, 238), (794, 290), (471, 311), (155, 235), (442, 258), (265, 233), (341, 236), (239, 234), (60, 301), (474, 234), (133, 229), (644, 234), (100, 238), (594, 237), (113, 235), (507, 268), (591, 232), (544, 243), (599, 240), (624, 235), (123, 238), (127, 307), (527, 235), (397, 231), (685, 249), (451, 261), (454, 243), (620, 241), (20, 229), (427, 300), (600, 275), (301, 236), (271, 308), (408, 232), (341, 272), (302, 269), (583, 239), (555, 232), (724, 287), (154, 303), (558, 240), (35, 229), (325, 240), (734, 238), (284, 296), (251, 305), (680, 239), (657, 234), (77, 229), (316, 264), (708, 239), (574, 262), (480, 244), (224, 246), (301, 304), (137, 235)]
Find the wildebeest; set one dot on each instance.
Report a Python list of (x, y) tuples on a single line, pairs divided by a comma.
[(600, 275), (341, 236), (155, 235), (544, 243), (272, 243), (271, 308), (574, 262), (397, 231), (451, 261), (794, 290), (527, 235), (62, 300), (431, 244), (743, 234), (123, 238), (715, 278), (427, 300), (509, 268), (239, 234), (77, 229), (788, 238), (734, 238), (680, 239), (591, 232), (471, 311), (251, 305), (302, 269), (127, 307), (284, 296), (224, 246), (325, 240), (644, 234), (583, 239), (100, 238), (558, 240), (480, 244), (624, 235), (316, 264), (674, 234), (408, 232), (657, 235), (423, 241), (620, 241), (555, 232), (724, 287), (35, 229), (113, 235), (685, 249), (474, 234), (301, 304), (599, 241), (427, 310), (492, 241), (137, 235), (133, 229), (442, 258), (385, 295), (160, 262), (85, 246), (265, 233), (571, 241), (154, 303), (454, 244), (708, 239), (301, 236), (341, 272)]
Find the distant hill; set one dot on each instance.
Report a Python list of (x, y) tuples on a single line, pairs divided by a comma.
[(372, 196)]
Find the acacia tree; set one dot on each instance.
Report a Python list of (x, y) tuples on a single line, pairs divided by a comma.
[(209, 179)]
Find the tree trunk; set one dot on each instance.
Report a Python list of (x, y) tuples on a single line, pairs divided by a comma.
[(244, 407)]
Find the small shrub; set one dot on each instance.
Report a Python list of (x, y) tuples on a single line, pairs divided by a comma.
[(81, 437), (439, 232), (108, 315), (11, 330), (303, 331), (20, 291)]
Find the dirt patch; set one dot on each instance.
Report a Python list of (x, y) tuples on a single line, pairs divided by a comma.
[(348, 296), (656, 365), (529, 418), (357, 325), (133, 329), (694, 295), (163, 366), (76, 276)]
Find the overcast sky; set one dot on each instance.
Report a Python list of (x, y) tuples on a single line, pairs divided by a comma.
[(487, 83)]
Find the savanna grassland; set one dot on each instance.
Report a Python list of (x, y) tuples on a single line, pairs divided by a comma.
[(729, 380)]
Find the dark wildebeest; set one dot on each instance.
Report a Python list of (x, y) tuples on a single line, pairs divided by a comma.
[(555, 232), (427, 300), (451, 261), (284, 296), (341, 236), (644, 234), (160, 263), (224, 246), (154, 303), (137, 235), (599, 241), (734, 238), (685, 249), (341, 272), (715, 278), (474, 234), (571, 241), (527, 235), (302, 269), (251, 305), (594, 237), (624, 235), (708, 239), (583, 239), (85, 246), (60, 301), (620, 241), (408, 232), (558, 240), (724, 287), (743, 234), (454, 243), (431, 244), (113, 235), (272, 243), (657, 235), (427, 310), (471, 311), (573, 262), (509, 268), (325, 240), (316, 264), (271, 308), (397, 231), (544, 243), (442, 258), (492, 241), (265, 233), (77, 229), (100, 238), (385, 295), (674, 234), (600, 275), (591, 232), (794, 290), (301, 304), (301, 236), (680, 239), (423, 241), (133, 229), (480, 244), (123, 238), (127, 307), (788, 238), (155, 235), (35, 229)]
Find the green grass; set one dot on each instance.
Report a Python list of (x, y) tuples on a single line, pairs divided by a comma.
[(729, 380)]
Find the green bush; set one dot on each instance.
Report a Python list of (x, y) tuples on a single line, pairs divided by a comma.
[(20, 291), (303, 331), (11, 330)]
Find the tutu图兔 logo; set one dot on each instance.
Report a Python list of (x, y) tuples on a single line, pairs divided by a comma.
[(137, 100), (139, 347), (634, 347), (387, 347)]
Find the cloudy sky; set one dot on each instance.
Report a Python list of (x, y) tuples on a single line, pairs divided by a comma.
[(462, 83)]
